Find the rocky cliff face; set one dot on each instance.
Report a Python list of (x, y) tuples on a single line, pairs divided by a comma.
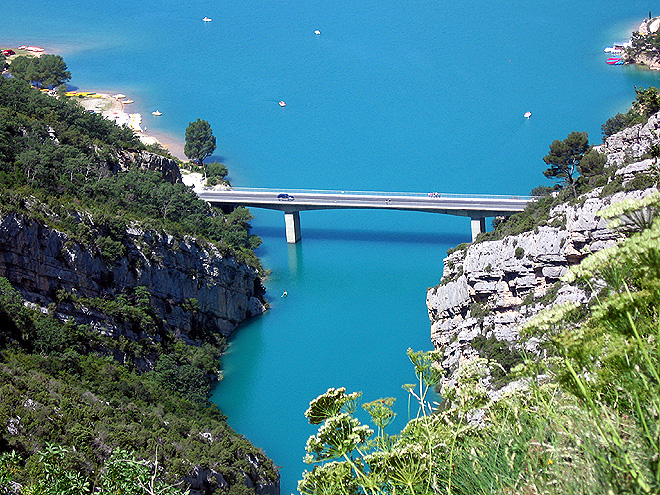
[(630, 144), (490, 289), (192, 287), (168, 168)]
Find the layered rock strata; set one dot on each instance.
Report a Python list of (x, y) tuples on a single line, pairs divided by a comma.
[(193, 288), (490, 289)]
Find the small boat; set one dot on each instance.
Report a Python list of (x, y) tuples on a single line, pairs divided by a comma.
[(119, 96), (317, 32), (614, 61), (157, 113), (618, 47), (34, 49), (207, 19), (127, 101), (527, 115), (282, 104)]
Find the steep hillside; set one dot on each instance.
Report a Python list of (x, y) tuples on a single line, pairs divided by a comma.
[(118, 287)]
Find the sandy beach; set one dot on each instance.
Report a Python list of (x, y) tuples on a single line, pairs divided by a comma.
[(114, 107)]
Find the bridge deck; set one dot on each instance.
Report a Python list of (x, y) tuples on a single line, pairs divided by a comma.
[(450, 204), (292, 202)]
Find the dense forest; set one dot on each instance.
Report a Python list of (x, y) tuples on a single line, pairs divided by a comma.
[(86, 412)]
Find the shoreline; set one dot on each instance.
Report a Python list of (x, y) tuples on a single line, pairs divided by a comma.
[(650, 25), (111, 108)]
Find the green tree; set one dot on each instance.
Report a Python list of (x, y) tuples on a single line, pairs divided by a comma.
[(647, 101), (200, 141), (592, 163), (51, 71), (215, 173), (47, 70), (20, 68), (565, 156), (618, 122)]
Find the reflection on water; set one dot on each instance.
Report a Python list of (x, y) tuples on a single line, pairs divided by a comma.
[(295, 252)]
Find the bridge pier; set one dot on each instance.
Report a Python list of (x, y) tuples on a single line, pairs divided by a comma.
[(478, 227), (292, 224)]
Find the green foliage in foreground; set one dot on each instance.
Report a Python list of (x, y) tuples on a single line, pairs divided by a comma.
[(121, 474), (585, 422)]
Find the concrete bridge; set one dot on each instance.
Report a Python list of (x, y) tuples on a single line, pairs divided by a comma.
[(293, 201)]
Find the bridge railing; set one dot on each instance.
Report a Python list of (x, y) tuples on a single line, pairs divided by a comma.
[(378, 193)]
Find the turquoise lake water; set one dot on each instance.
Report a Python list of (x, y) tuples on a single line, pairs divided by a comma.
[(398, 96)]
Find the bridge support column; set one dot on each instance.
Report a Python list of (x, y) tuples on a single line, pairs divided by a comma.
[(478, 227), (292, 223)]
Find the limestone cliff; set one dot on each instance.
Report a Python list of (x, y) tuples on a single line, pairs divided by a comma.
[(193, 287), (40, 261), (168, 167), (491, 288)]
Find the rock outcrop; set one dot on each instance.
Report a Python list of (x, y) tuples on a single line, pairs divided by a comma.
[(646, 57), (490, 289), (630, 144), (649, 25), (146, 160), (193, 288)]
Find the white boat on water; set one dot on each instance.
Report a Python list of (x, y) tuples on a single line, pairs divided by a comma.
[(617, 48), (127, 101), (119, 96), (157, 113), (207, 19)]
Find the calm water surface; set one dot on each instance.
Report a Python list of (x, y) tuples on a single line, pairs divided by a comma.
[(392, 96)]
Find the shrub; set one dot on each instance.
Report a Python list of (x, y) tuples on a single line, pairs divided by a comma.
[(619, 122), (612, 187), (461, 247), (502, 352), (480, 310), (542, 191), (641, 181)]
